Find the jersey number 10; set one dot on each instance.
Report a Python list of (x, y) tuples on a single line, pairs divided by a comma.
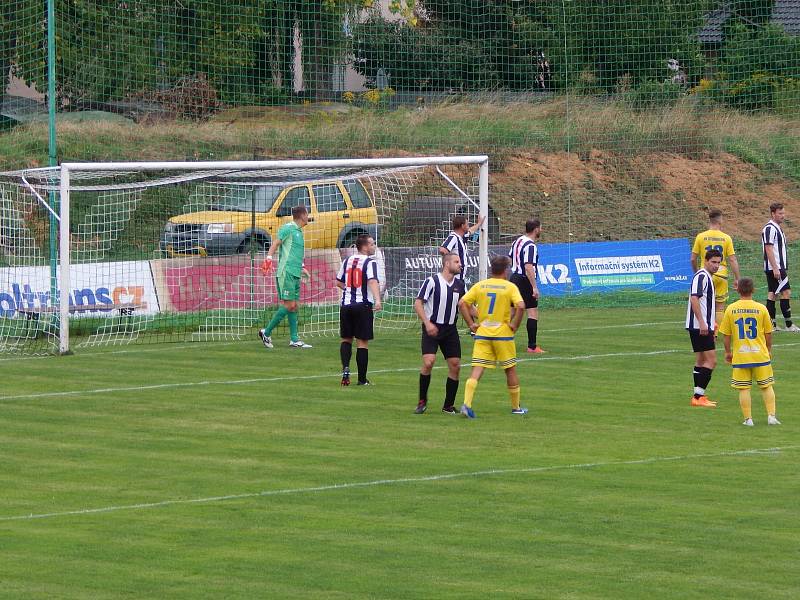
[(354, 278)]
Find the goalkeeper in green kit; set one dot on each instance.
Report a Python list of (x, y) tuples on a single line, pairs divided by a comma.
[(291, 247)]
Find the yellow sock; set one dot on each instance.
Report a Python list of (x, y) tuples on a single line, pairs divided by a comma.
[(768, 394), (514, 393), (746, 403), (469, 391)]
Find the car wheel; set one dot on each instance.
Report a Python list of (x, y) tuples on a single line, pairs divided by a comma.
[(259, 243), (349, 240)]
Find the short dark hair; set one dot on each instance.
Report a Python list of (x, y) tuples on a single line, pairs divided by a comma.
[(458, 221), (532, 224), (775, 206), (746, 286), (298, 211), (714, 215), (362, 240), (499, 264), (713, 253)]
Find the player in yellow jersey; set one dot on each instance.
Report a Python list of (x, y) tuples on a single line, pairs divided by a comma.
[(715, 238), (748, 347), (500, 311)]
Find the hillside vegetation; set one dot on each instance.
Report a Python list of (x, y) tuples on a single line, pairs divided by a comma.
[(591, 169)]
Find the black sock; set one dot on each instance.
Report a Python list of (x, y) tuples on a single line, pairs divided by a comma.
[(346, 351), (771, 310), (424, 382), (532, 326), (786, 311), (450, 391), (705, 376), (362, 360)]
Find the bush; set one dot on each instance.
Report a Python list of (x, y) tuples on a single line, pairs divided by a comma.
[(654, 94)]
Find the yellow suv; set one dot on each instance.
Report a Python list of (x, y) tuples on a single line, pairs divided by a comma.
[(247, 215)]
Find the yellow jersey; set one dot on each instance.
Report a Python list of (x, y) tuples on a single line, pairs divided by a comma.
[(747, 322), (714, 239), (494, 299)]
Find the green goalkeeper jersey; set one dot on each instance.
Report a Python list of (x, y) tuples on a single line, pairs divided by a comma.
[(292, 250)]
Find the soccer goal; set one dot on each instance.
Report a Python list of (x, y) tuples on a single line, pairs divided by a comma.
[(141, 252)]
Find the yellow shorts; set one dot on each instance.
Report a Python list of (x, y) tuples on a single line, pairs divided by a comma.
[(489, 351), (742, 379), (720, 290)]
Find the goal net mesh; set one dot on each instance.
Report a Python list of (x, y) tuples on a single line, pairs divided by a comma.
[(180, 256)]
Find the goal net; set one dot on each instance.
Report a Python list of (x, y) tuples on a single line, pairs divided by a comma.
[(121, 253)]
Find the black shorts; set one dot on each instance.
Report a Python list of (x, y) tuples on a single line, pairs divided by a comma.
[(355, 321), (772, 283), (447, 341), (525, 289), (701, 343)]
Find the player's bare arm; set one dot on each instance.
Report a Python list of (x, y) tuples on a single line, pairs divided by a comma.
[(477, 224), (466, 313), (274, 248), (734, 266), (419, 308), (702, 325), (694, 262), (773, 264), (728, 352), (443, 251), (530, 273), (768, 340), (516, 319), (375, 288)]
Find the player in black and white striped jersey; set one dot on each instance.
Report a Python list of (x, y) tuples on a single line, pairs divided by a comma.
[(436, 306), (776, 265), (456, 241), (700, 323), (524, 259), (361, 298)]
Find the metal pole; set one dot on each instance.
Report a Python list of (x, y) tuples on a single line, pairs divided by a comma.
[(64, 271), (52, 154), (483, 198)]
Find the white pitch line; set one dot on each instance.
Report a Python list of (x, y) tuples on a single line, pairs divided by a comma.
[(387, 482), (225, 382), (139, 349), (161, 386)]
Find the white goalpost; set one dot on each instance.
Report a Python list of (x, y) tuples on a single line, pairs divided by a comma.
[(96, 254)]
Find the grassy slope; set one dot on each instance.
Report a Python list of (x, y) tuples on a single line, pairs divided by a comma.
[(546, 525), (581, 127)]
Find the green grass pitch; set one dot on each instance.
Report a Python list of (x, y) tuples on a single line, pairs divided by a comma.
[(230, 471)]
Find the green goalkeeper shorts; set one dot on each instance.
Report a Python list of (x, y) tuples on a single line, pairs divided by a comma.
[(288, 287)]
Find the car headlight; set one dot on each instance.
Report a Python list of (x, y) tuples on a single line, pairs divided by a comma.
[(219, 228)]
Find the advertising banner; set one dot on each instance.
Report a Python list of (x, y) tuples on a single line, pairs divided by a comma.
[(591, 267), (95, 289), (236, 282)]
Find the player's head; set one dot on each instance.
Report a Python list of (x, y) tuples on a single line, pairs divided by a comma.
[(715, 216), (713, 259), (365, 244), (533, 227), (300, 215), (460, 223), (451, 263), (777, 212), (499, 265), (746, 287)]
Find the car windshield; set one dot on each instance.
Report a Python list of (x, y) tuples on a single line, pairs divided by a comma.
[(241, 198)]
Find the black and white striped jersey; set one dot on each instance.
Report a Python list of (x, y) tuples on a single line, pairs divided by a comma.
[(773, 240), (355, 273), (440, 299), (523, 251), (703, 288), (457, 245)]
